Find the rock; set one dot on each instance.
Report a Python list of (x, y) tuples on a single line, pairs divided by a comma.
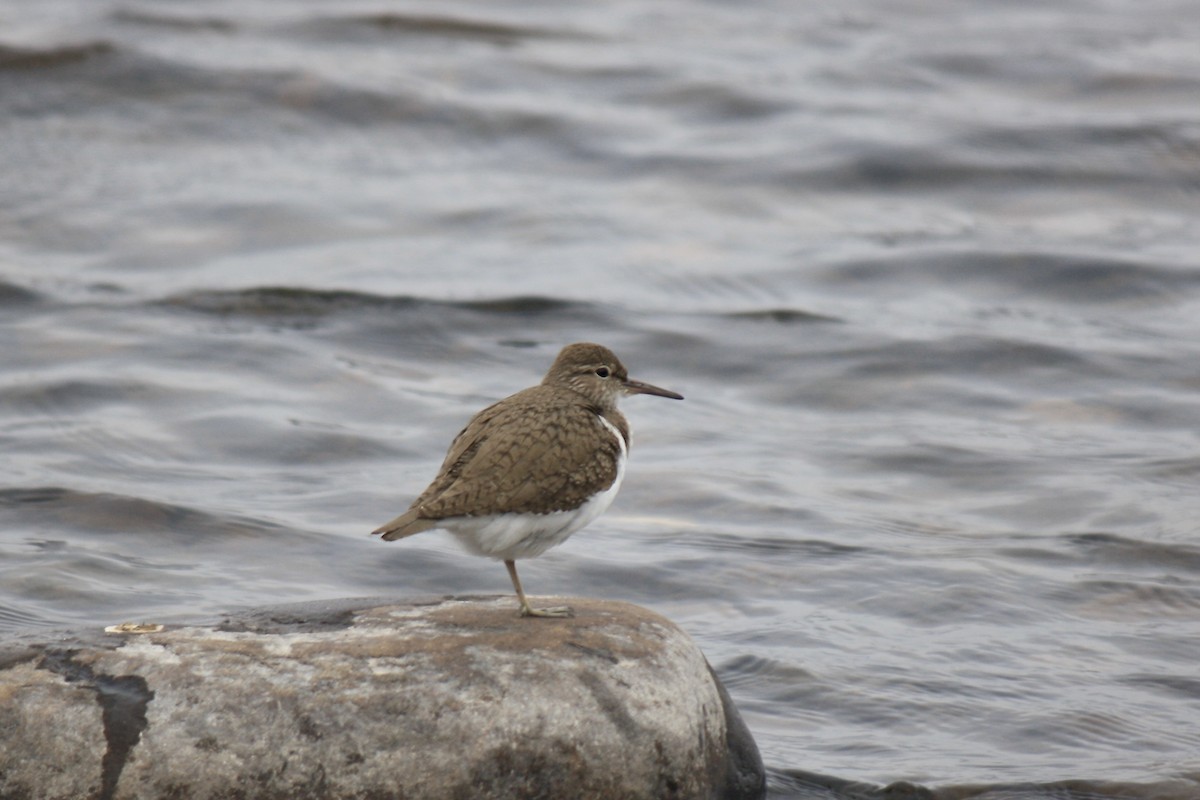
[(450, 698)]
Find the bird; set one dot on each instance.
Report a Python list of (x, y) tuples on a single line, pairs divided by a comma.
[(530, 470)]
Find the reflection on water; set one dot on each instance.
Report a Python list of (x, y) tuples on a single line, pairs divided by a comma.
[(926, 274)]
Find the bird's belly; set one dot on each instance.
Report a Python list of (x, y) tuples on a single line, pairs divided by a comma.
[(515, 536)]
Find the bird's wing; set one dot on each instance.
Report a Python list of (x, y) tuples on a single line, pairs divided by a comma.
[(517, 457), (406, 524)]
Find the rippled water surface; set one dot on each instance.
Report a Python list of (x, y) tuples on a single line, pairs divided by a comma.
[(927, 273)]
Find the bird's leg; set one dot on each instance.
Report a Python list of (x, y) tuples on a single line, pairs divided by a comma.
[(526, 609)]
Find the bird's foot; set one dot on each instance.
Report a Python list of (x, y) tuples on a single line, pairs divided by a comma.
[(556, 612)]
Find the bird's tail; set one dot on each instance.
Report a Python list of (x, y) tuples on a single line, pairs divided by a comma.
[(406, 524)]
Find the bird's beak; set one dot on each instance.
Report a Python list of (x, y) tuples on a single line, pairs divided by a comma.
[(637, 387)]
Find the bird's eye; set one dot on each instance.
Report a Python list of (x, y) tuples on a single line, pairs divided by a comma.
[(602, 372)]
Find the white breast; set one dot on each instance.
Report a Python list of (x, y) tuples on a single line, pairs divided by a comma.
[(514, 536)]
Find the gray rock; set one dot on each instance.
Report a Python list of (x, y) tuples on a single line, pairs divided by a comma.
[(450, 698)]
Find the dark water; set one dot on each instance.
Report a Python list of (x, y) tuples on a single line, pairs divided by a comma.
[(927, 272)]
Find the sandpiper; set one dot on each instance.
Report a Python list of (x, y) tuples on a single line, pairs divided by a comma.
[(532, 469)]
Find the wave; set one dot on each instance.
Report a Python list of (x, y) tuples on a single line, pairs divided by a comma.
[(96, 512), (431, 25), (1074, 278), (28, 58), (12, 295), (282, 301), (801, 785)]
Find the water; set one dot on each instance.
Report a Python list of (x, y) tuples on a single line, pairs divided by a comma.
[(926, 273)]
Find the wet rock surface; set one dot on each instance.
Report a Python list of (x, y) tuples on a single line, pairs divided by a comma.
[(446, 698)]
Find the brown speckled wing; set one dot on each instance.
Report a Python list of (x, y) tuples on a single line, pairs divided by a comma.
[(543, 449)]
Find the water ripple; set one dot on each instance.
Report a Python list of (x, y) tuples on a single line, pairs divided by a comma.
[(925, 274)]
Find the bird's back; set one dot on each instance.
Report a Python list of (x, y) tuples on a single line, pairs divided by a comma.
[(542, 449)]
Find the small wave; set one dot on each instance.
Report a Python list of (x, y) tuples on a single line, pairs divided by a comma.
[(16, 617), (96, 512), (751, 670), (961, 466), (278, 301), (1182, 469), (50, 57), (794, 784), (710, 101), (1067, 277), (1086, 153), (783, 316), (1183, 687), (121, 71), (1109, 548), (74, 395), (172, 22), (427, 25), (1130, 600), (772, 546), (970, 354), (282, 301), (12, 295), (525, 304)]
